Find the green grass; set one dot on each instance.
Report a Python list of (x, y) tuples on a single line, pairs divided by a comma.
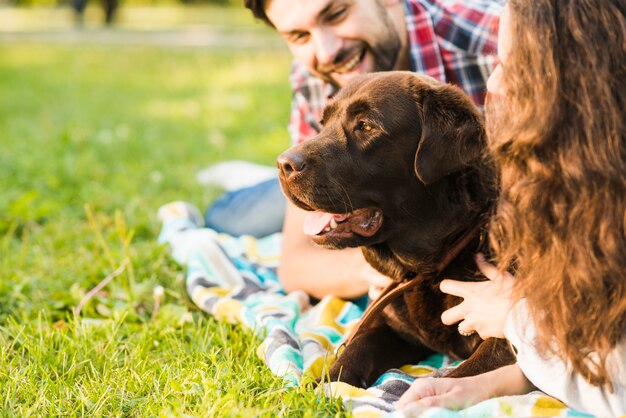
[(94, 139)]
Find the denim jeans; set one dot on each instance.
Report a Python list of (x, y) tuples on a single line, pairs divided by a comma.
[(257, 210)]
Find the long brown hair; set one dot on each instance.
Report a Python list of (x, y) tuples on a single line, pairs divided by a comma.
[(559, 141)]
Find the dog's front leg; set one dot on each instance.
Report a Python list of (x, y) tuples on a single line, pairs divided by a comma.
[(491, 354), (371, 353)]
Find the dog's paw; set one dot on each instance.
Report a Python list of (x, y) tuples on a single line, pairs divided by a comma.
[(347, 375)]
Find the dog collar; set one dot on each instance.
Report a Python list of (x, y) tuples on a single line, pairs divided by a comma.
[(395, 289)]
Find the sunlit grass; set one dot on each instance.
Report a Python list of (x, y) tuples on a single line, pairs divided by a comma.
[(94, 139)]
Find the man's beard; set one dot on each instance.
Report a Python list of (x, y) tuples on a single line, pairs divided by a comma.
[(384, 53)]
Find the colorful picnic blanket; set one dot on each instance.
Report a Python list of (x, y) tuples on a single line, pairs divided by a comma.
[(234, 279)]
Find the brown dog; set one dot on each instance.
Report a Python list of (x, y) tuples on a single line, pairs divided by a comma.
[(398, 170)]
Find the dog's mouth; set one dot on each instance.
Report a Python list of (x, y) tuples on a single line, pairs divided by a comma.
[(331, 229), (336, 230)]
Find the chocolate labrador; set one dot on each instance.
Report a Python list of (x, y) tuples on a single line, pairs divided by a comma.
[(398, 170)]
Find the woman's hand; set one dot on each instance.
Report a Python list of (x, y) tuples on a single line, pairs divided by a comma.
[(462, 392), (485, 304), (450, 393)]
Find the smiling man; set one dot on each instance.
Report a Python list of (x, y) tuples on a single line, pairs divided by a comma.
[(339, 39), (331, 42)]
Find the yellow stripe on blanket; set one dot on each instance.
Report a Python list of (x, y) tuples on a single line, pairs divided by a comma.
[(319, 366), (228, 310), (200, 294), (547, 407), (252, 251), (330, 308), (343, 389), (320, 338), (373, 413), (419, 370)]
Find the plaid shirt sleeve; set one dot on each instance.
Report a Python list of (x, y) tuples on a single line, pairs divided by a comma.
[(309, 97), (455, 41), (470, 26)]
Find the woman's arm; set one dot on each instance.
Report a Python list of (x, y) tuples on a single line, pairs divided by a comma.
[(556, 377), (462, 392)]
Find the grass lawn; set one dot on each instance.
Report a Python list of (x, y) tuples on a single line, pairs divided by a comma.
[(94, 139)]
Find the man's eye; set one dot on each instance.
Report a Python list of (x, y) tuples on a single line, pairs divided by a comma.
[(299, 37), (337, 14)]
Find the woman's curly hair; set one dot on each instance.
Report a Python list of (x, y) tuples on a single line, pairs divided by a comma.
[(558, 138)]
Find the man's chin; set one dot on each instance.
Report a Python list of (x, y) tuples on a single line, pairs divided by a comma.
[(340, 80)]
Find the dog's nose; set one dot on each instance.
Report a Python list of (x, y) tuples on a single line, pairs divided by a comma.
[(290, 163)]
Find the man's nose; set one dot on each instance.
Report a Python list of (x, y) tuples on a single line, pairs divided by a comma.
[(327, 45), (290, 163)]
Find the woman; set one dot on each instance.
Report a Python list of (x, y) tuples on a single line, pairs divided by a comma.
[(557, 133)]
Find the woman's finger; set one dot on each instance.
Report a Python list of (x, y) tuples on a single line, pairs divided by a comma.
[(464, 329), (489, 270), (455, 287), (453, 315), (421, 388), (446, 400), (443, 396)]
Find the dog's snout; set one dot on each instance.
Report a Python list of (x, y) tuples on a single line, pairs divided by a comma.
[(290, 163)]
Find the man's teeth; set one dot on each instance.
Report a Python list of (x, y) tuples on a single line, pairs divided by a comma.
[(349, 66)]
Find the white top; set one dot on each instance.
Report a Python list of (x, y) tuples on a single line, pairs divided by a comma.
[(557, 379)]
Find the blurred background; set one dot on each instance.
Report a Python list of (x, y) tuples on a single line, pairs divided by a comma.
[(115, 118), (46, 14)]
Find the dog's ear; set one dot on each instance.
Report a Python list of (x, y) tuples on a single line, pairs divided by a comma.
[(453, 133)]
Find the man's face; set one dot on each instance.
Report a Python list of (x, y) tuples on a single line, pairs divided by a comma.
[(339, 39)]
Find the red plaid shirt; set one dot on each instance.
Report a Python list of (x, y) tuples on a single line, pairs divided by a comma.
[(453, 41)]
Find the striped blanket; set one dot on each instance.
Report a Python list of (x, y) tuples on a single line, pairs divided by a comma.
[(234, 279)]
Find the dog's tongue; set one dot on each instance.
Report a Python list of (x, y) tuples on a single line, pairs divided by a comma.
[(316, 222)]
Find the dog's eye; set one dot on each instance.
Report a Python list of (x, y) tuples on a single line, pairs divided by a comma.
[(363, 126)]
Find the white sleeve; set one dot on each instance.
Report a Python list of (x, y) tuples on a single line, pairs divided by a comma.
[(556, 378)]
